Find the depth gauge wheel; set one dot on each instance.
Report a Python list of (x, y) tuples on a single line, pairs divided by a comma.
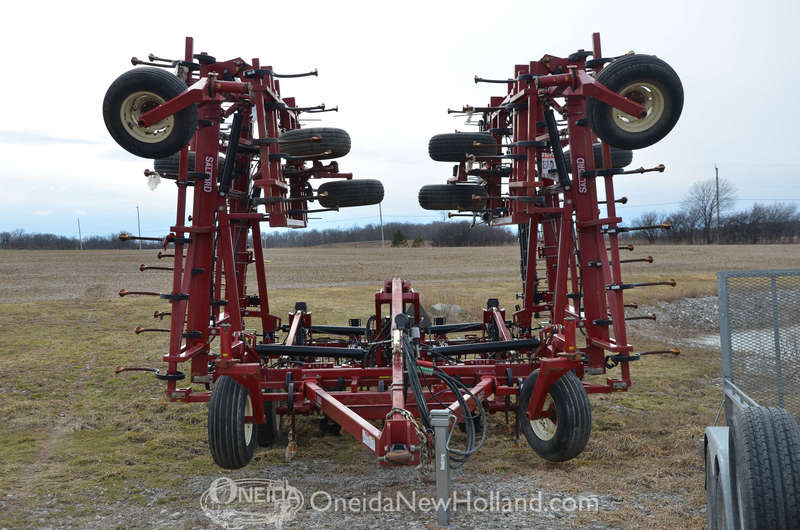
[(230, 438), (564, 432), (169, 167), (454, 147), (133, 94), (315, 143), (647, 80), (348, 193), (452, 197)]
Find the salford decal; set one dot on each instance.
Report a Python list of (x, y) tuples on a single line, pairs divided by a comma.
[(208, 169), (581, 165)]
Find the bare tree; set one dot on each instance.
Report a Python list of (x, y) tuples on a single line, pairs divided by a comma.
[(701, 203), (649, 219)]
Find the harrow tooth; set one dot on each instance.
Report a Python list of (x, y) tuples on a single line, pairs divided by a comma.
[(671, 351), (659, 168), (125, 292), (128, 237), (623, 286), (651, 316), (648, 259), (144, 267), (139, 330)]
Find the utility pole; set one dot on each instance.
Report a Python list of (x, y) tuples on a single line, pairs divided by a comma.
[(80, 237), (716, 171), (380, 213), (139, 224)]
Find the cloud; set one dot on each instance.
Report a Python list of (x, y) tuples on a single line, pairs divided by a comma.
[(42, 212), (80, 212), (38, 138)]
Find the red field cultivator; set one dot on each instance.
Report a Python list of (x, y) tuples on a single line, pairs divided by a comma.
[(382, 379)]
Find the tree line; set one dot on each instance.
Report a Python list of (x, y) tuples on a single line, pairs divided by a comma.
[(437, 234), (442, 234), (698, 219), (21, 240)]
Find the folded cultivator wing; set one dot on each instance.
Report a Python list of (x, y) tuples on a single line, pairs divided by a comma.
[(233, 144)]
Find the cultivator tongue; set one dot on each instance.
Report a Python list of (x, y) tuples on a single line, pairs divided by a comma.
[(400, 381)]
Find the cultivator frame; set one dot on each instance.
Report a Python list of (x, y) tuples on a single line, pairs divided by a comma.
[(358, 375)]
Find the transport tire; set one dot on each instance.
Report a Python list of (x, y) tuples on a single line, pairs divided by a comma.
[(455, 147), (620, 158), (347, 193), (315, 143), (134, 93), (268, 433), (645, 79), (230, 439), (452, 197), (766, 442), (566, 437), (169, 166)]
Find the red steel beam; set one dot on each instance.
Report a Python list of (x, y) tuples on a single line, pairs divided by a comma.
[(351, 422)]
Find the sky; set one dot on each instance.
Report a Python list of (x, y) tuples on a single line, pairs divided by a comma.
[(393, 68)]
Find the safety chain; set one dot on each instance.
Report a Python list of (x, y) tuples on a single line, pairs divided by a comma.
[(424, 452)]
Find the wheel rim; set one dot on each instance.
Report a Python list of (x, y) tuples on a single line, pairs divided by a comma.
[(646, 94), (545, 428), (248, 427), (132, 109)]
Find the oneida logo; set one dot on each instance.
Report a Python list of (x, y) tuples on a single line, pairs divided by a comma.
[(242, 503)]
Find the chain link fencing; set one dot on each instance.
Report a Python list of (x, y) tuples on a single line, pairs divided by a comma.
[(760, 335)]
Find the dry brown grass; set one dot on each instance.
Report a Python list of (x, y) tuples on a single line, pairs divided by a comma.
[(72, 430)]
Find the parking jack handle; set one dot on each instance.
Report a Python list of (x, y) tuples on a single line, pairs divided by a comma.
[(440, 420)]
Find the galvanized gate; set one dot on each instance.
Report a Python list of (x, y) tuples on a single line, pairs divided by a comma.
[(760, 338)]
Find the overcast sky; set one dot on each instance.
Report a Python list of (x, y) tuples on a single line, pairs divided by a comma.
[(393, 68)]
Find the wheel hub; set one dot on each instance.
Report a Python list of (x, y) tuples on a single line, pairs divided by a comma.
[(248, 427), (132, 109), (545, 427), (650, 97)]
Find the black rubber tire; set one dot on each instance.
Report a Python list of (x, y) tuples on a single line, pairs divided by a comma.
[(620, 74), (573, 418), (268, 433), (619, 157), (170, 165), (301, 143), (452, 197), (163, 84), (347, 193), (766, 442), (455, 147), (227, 437)]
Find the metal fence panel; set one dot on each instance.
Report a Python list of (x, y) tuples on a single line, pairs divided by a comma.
[(760, 335)]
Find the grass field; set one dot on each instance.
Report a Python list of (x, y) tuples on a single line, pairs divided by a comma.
[(83, 447)]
